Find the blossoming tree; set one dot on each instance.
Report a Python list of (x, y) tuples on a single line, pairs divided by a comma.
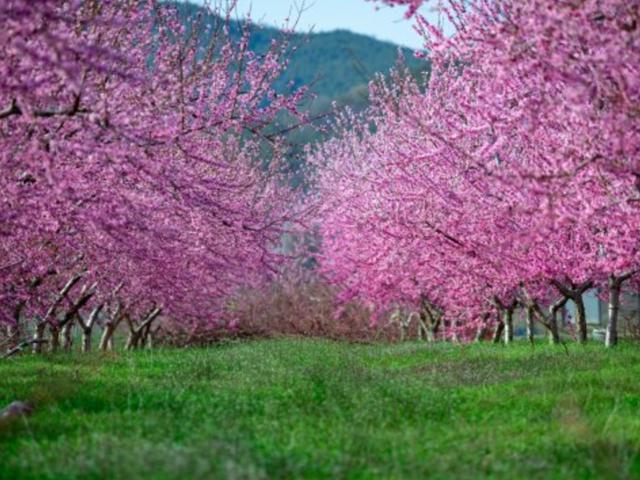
[(132, 157), (510, 181)]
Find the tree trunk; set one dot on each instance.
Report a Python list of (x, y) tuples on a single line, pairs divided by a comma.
[(554, 333), (403, 329), (106, 341), (67, 337), (13, 335), (43, 322), (148, 339), (136, 332), (133, 340), (508, 326), (615, 287), (38, 337), (86, 339), (530, 326), (480, 334), (550, 320), (482, 330), (55, 338), (455, 337), (14, 330), (611, 337), (69, 318), (429, 321), (87, 326), (497, 334), (575, 293), (444, 330), (581, 318), (434, 330), (422, 329)]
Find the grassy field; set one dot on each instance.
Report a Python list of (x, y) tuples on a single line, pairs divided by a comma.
[(296, 408)]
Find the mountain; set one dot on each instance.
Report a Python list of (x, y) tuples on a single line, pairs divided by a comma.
[(337, 65)]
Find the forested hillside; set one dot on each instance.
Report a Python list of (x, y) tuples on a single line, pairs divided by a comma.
[(337, 66)]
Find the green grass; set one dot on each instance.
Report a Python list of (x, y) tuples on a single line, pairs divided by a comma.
[(295, 408)]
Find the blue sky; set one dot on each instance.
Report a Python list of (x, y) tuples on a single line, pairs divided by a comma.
[(324, 15)]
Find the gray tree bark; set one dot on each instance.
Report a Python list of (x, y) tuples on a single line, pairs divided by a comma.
[(550, 319), (87, 327), (136, 332), (106, 341), (67, 336), (575, 292), (42, 323), (497, 333), (508, 323), (38, 337), (54, 344), (530, 325), (615, 288)]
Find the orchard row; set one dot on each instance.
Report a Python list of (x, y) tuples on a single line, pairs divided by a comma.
[(143, 174)]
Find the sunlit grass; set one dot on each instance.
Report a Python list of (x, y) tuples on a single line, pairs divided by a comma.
[(296, 408)]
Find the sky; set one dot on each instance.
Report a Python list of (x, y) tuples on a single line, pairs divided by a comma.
[(381, 22)]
